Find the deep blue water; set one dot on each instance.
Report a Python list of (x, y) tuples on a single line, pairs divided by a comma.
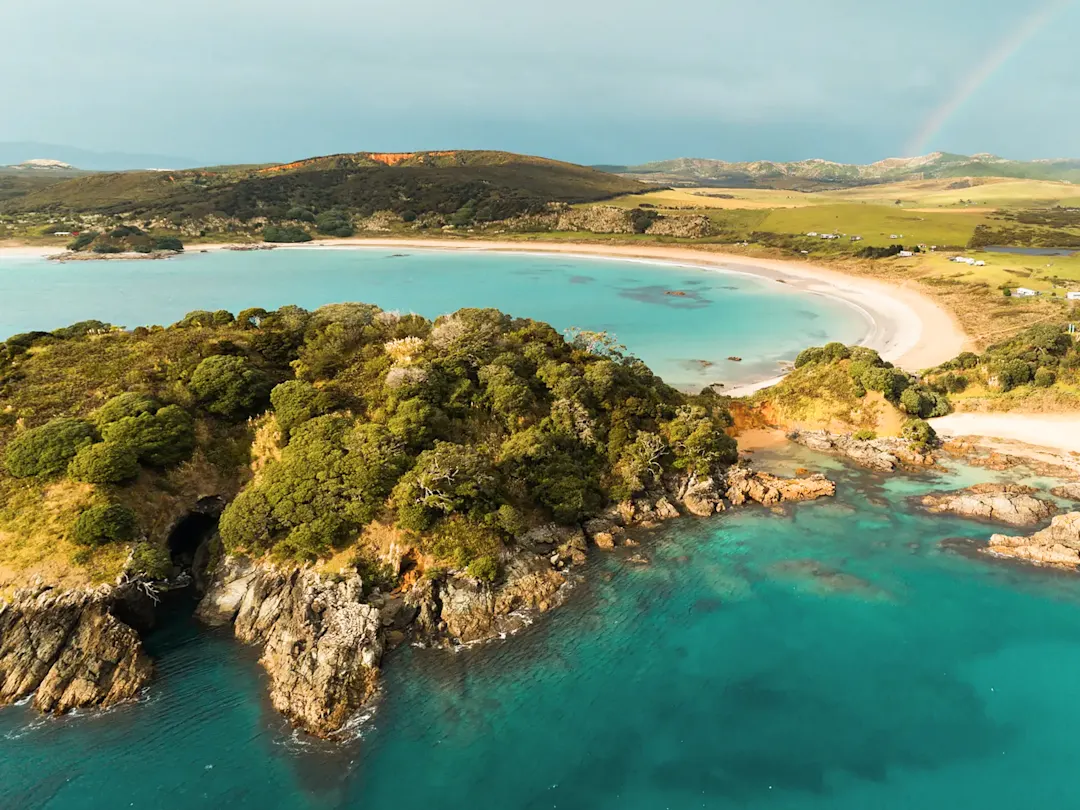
[(832, 655), (721, 315)]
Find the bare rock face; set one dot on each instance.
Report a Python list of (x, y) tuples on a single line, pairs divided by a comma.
[(692, 226), (744, 484), (1068, 491), (1006, 503), (68, 650), (1058, 544), (884, 455), (322, 642), (475, 611), (702, 497)]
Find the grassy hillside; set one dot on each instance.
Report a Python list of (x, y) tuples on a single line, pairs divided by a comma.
[(493, 185), (816, 175)]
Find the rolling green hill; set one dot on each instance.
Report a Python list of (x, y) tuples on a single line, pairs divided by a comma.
[(490, 185), (817, 175)]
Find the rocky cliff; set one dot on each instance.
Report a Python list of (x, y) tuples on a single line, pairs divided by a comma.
[(1058, 544), (322, 643), (323, 639), (1005, 503), (68, 650)]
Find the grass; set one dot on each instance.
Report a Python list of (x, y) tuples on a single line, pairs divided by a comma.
[(877, 224)]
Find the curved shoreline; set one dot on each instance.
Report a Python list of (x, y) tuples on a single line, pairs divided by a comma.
[(906, 326)]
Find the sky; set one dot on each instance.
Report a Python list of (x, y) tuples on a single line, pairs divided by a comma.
[(590, 81)]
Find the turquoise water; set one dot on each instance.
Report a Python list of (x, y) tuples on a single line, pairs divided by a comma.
[(722, 315), (830, 656)]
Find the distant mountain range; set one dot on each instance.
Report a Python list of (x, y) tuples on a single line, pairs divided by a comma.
[(14, 153), (813, 175)]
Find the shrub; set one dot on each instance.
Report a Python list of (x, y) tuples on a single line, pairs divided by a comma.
[(335, 223), (484, 568), (47, 450), (104, 463), (299, 214), (229, 386), (1013, 373), (1044, 378), (919, 433), (915, 402), (106, 247), (168, 243), (99, 525), (129, 404), (955, 383), (295, 402), (158, 439), (864, 435), (285, 233), (808, 356), (83, 240)]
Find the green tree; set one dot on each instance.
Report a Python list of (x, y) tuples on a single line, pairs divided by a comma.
[(229, 386), (919, 433), (447, 479), (1045, 378), (104, 463), (47, 450)]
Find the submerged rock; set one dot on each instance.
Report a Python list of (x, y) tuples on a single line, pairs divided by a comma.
[(68, 650), (1058, 544), (322, 643), (1006, 503), (744, 484)]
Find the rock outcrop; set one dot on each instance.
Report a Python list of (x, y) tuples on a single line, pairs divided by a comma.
[(884, 455), (68, 650), (322, 643), (474, 611), (692, 226), (744, 484), (1058, 544), (1005, 503), (1069, 492)]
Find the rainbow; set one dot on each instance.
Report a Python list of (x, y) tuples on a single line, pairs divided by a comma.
[(928, 131)]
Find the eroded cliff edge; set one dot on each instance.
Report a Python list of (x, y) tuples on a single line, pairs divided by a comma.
[(69, 650)]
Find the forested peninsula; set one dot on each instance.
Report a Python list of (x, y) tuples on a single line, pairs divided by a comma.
[(330, 484)]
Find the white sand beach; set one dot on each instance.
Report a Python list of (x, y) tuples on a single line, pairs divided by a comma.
[(1056, 432)]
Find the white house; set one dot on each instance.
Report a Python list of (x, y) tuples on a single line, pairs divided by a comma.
[(1024, 292), (1073, 296), (811, 233), (963, 260), (905, 253), (980, 263)]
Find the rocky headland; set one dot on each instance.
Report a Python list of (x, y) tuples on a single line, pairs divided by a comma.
[(883, 455), (323, 637), (1003, 503), (1058, 544)]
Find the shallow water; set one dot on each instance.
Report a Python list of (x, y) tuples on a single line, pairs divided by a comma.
[(686, 339), (831, 656)]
